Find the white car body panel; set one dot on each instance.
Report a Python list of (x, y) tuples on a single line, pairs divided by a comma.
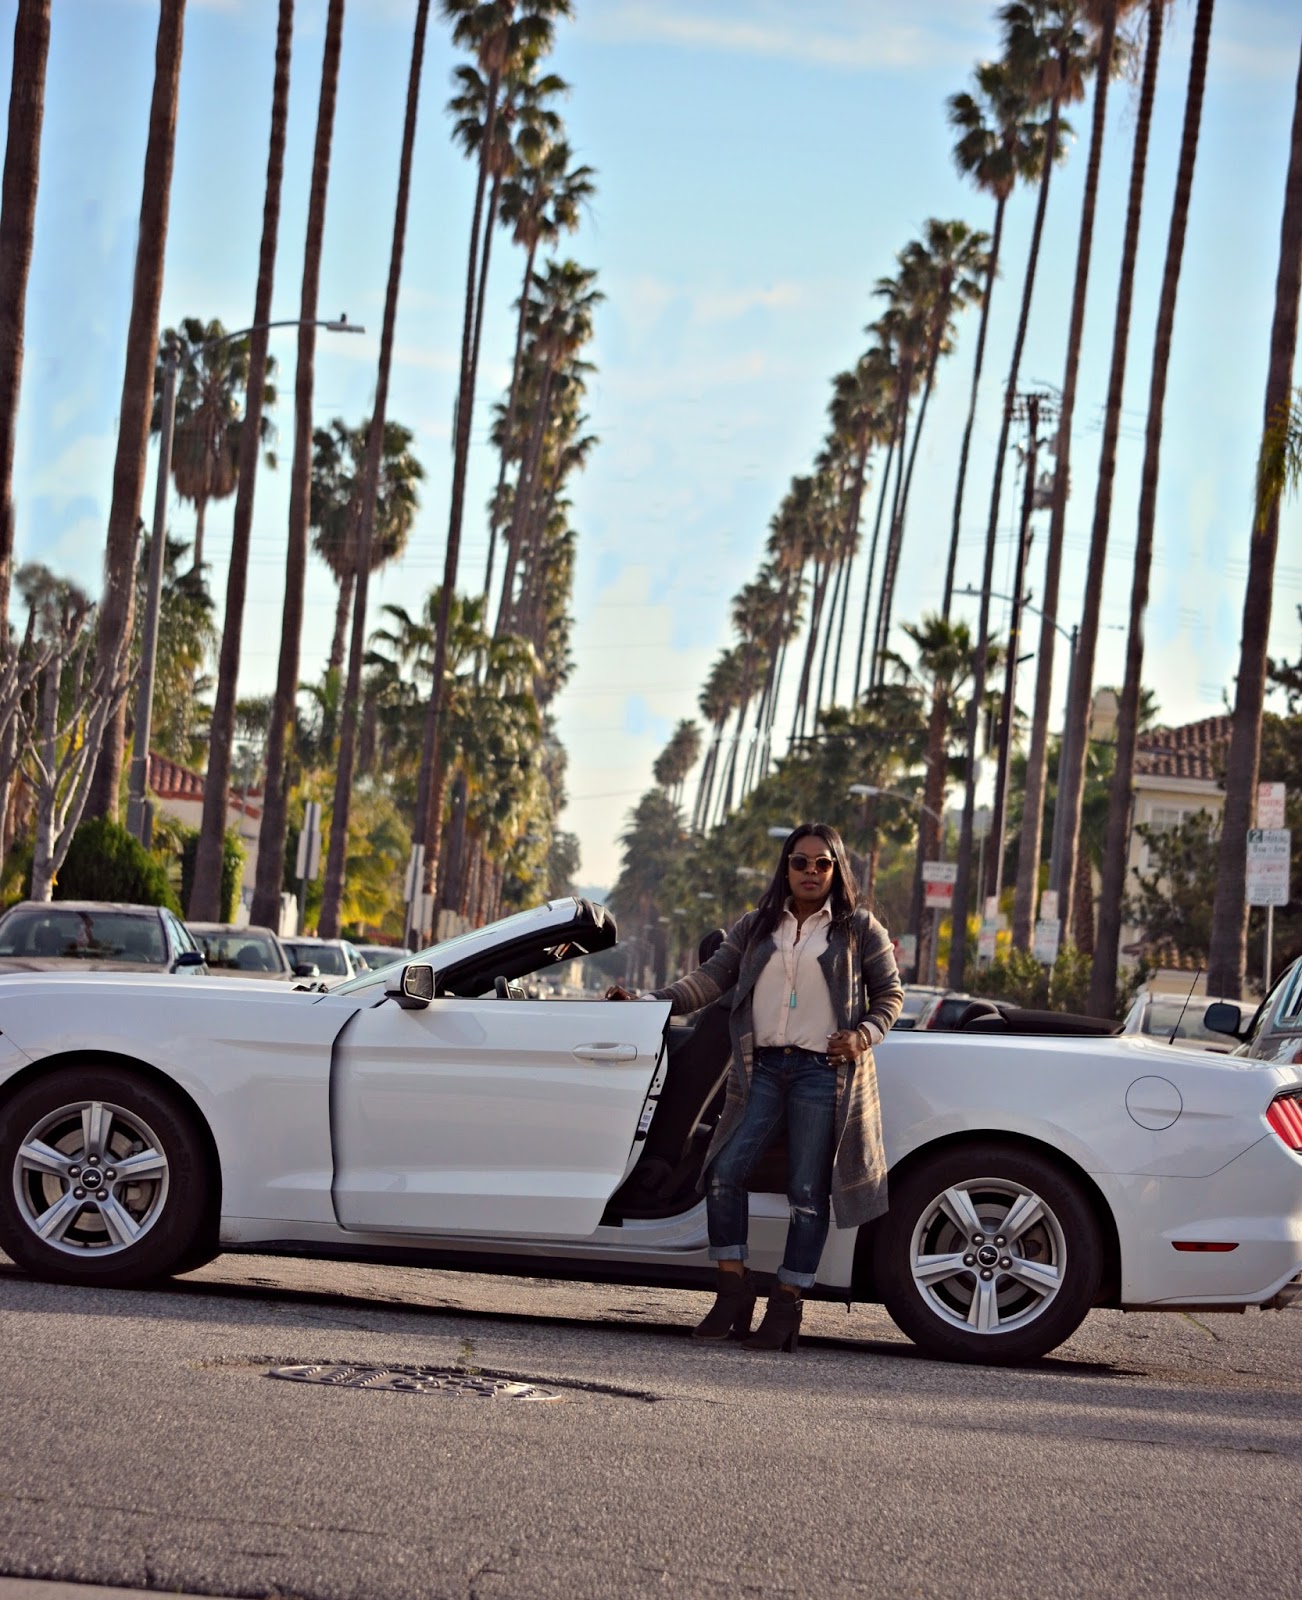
[(344, 1122)]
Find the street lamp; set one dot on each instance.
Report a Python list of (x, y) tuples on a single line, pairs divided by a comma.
[(1055, 850), (865, 790), (139, 816)]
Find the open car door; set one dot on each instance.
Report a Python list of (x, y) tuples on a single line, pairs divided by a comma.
[(486, 1112)]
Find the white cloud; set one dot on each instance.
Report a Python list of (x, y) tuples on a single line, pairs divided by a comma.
[(849, 38)]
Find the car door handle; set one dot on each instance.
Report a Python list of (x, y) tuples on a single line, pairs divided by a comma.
[(606, 1052)]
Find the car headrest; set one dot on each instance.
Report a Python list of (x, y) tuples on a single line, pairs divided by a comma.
[(709, 944)]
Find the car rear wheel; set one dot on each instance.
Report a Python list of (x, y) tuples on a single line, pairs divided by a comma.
[(103, 1178), (988, 1254)]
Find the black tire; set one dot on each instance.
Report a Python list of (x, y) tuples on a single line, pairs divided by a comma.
[(922, 1259), (92, 1240)]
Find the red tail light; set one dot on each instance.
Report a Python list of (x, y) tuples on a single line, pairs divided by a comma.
[(1285, 1117)]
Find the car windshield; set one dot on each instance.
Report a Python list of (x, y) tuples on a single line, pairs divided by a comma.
[(241, 952), (437, 954), (328, 959), (1166, 1019), (83, 936)]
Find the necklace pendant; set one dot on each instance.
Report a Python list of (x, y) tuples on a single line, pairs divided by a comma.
[(791, 1004)]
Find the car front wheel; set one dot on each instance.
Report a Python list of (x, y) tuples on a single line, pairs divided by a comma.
[(988, 1254), (103, 1179)]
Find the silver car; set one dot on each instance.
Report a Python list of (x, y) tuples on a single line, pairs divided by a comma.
[(1274, 1031), (96, 936)]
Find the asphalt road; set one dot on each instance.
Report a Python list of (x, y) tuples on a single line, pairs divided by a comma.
[(142, 1444)]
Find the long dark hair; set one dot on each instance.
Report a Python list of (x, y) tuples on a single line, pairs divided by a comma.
[(843, 898)]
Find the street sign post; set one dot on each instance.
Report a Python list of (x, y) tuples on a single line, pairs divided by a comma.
[(1271, 798), (1044, 946), (1269, 850)]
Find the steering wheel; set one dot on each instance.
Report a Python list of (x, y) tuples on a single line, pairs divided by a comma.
[(501, 988)]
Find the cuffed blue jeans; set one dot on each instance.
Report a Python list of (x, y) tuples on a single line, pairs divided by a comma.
[(795, 1088)]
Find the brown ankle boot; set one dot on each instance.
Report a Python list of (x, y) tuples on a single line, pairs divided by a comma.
[(780, 1329), (734, 1306)]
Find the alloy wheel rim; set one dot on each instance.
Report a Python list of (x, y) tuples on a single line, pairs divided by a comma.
[(90, 1179), (988, 1255)]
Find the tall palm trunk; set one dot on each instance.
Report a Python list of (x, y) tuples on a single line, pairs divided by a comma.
[(205, 893), (117, 609), (872, 554), (1071, 787), (524, 489), (1028, 862), (1228, 956), (333, 889), (981, 654), (1103, 979), (851, 544), (996, 239), (800, 721), (265, 911), (875, 659), (512, 408), (897, 533), (343, 611), (829, 629), (17, 222)]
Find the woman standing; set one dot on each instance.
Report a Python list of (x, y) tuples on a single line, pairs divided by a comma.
[(814, 988)]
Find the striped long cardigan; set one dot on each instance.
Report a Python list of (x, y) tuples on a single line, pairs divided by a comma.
[(864, 986)]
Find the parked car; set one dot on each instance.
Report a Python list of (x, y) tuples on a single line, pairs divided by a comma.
[(916, 997), (431, 1113), (1176, 1019), (96, 936), (332, 958), (1273, 1032), (243, 952), (380, 955)]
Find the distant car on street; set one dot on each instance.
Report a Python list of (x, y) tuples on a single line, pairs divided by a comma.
[(380, 955), (233, 952), (332, 958), (1273, 1032), (96, 936), (917, 996), (1176, 1019), (945, 1006)]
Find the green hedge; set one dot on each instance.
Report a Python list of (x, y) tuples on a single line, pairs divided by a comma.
[(105, 862)]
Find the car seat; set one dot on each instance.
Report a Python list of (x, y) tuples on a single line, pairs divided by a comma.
[(49, 939), (251, 958)]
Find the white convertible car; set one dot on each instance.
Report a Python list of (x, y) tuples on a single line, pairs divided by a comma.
[(432, 1114)]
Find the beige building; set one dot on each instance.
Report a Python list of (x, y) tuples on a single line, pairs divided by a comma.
[(177, 791), (1177, 775)]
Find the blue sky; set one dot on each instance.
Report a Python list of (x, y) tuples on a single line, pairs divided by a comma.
[(759, 162)]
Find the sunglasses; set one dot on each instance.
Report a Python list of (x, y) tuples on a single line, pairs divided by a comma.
[(812, 863)]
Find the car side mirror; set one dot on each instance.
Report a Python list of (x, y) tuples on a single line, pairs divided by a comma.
[(412, 987), (306, 969), (1221, 1017), (188, 958)]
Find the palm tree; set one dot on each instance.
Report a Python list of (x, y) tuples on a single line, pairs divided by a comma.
[(880, 362), (1000, 142), (17, 223), (503, 35), (1104, 15), (1103, 981), (1049, 53), (718, 699), (1072, 786), (1228, 956), (205, 891), (386, 504), (945, 271), (540, 201), (214, 376), (116, 608), (271, 838), (338, 467), (859, 418)]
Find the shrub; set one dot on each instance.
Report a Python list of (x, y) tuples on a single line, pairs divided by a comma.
[(105, 862)]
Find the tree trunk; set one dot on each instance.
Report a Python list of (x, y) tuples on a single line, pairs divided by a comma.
[(952, 561), (271, 836), (872, 557), (116, 612), (512, 406), (852, 548), (196, 553), (336, 860), (1227, 959), (343, 611), (875, 661), (897, 532), (1103, 979), (17, 222), (1071, 788), (981, 655), (205, 892), (1028, 865)]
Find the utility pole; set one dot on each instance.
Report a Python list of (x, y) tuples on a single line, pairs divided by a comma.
[(1031, 409)]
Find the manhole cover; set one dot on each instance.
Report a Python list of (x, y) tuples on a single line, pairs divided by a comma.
[(447, 1381)]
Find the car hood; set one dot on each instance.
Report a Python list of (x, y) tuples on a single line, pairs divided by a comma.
[(75, 964)]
